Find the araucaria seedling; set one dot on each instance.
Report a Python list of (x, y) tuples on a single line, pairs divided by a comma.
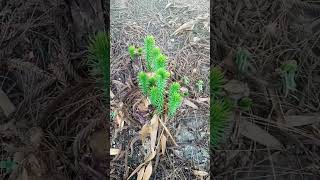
[(153, 83)]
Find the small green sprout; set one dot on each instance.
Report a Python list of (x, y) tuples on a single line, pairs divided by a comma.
[(242, 61), (288, 74), (200, 86), (186, 80), (132, 52), (245, 103)]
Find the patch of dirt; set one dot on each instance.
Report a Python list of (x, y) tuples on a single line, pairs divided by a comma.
[(181, 30)]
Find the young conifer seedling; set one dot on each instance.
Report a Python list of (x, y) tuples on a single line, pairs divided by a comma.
[(99, 47), (153, 83), (220, 108)]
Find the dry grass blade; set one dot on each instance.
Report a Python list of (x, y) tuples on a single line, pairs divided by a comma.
[(6, 105), (255, 133)]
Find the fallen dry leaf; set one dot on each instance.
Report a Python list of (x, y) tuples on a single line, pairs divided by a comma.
[(190, 104), (154, 130), (203, 99), (150, 156), (114, 151), (163, 142), (141, 173), (188, 26), (200, 173), (255, 133), (5, 103), (148, 172), (236, 89), (296, 121), (144, 132)]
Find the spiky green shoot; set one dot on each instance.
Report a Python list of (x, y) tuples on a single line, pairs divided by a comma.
[(216, 82), (242, 61), (245, 103), (161, 62), (161, 81), (154, 93), (143, 82), (149, 43), (139, 51), (175, 99), (99, 47), (219, 113), (132, 52), (156, 52), (152, 81)]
